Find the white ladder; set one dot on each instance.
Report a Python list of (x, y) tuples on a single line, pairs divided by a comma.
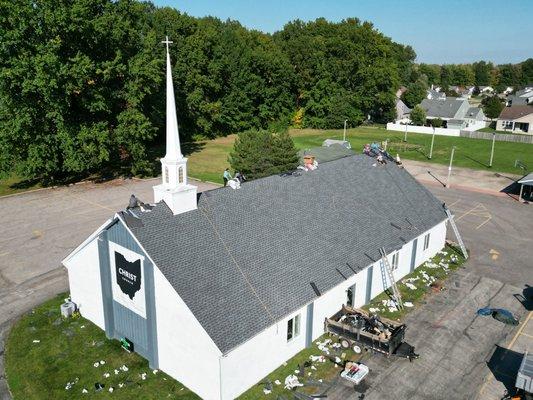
[(456, 232), (387, 267)]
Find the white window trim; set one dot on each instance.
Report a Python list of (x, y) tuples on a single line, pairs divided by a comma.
[(427, 239), (296, 327), (394, 265)]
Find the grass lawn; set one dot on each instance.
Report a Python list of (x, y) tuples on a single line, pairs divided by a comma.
[(435, 270), (66, 352), (15, 184), (208, 159), (325, 371)]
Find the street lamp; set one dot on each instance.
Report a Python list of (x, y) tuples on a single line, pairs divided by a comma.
[(432, 141), (450, 168), (492, 151)]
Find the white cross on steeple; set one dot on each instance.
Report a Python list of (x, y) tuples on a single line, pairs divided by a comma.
[(167, 42)]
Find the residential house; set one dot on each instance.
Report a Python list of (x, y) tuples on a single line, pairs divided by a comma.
[(218, 290), (516, 119), (486, 89), (508, 90), (402, 111), (520, 98), (457, 112), (432, 94)]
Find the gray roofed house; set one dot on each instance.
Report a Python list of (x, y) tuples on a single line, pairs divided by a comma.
[(450, 108), (310, 217), (435, 95), (402, 111), (474, 114), (520, 98)]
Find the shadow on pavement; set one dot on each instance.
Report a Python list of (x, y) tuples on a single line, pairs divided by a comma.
[(526, 297), (504, 365)]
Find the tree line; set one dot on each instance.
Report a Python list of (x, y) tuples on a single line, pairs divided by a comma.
[(82, 90), (82, 81)]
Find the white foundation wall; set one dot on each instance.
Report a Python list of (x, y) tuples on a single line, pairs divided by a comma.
[(85, 284), (436, 243), (331, 302), (249, 363), (185, 350)]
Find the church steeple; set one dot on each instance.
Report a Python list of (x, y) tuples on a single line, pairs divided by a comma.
[(173, 138), (174, 189)]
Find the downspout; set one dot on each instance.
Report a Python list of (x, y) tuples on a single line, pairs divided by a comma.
[(220, 375)]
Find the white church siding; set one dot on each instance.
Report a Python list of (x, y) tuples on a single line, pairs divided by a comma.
[(252, 361), (85, 283), (185, 350)]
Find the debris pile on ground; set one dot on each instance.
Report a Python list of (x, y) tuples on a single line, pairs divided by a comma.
[(292, 382)]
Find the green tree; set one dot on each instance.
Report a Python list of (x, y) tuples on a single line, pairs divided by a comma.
[(527, 71), (262, 153), (418, 116), (432, 73), (482, 73), (492, 106), (415, 93), (76, 86)]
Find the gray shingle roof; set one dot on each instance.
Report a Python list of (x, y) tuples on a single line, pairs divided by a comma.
[(246, 258), (446, 108)]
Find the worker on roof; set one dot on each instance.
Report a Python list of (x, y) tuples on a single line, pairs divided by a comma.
[(226, 176)]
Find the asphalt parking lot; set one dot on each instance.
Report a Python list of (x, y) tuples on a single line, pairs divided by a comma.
[(465, 356)]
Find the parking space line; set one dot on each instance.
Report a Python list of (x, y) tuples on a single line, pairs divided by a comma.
[(490, 375), (454, 203), (484, 222), (91, 202), (468, 212)]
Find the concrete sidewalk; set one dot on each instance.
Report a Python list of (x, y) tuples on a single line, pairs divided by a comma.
[(490, 182)]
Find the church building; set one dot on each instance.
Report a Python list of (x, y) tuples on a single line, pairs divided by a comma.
[(219, 288)]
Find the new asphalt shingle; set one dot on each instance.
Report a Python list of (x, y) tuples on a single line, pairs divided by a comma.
[(246, 258)]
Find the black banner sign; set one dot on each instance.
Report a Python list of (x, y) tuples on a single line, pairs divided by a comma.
[(128, 275)]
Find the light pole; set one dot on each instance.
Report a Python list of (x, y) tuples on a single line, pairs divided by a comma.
[(450, 168), (492, 150), (344, 135), (432, 141), (405, 135)]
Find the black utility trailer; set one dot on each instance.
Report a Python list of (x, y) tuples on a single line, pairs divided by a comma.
[(356, 328)]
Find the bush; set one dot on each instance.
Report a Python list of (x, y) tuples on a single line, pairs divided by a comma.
[(262, 153), (418, 116), (437, 123)]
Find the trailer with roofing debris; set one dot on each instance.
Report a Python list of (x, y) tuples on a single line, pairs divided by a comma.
[(356, 328)]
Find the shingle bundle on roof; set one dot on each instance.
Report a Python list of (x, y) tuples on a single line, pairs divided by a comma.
[(246, 258)]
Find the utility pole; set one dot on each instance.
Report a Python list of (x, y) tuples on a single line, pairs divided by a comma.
[(432, 141), (450, 168), (492, 151), (405, 135), (344, 135)]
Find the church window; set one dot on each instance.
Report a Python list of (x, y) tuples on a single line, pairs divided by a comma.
[(180, 175)]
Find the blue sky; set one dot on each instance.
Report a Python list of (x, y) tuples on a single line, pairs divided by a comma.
[(440, 31)]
